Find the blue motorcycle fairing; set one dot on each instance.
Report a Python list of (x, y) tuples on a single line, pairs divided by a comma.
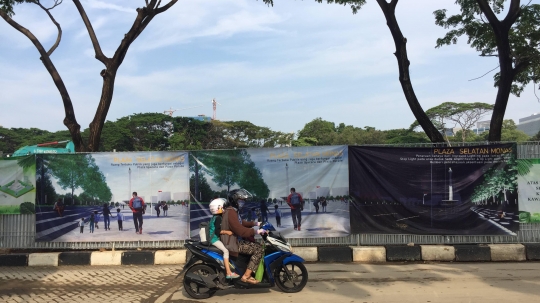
[(219, 259), (293, 258), (213, 254), (273, 256)]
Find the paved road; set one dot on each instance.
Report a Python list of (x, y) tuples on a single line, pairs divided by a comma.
[(403, 283)]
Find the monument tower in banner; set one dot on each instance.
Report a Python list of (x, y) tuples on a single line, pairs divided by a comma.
[(287, 173), (450, 200), (129, 193)]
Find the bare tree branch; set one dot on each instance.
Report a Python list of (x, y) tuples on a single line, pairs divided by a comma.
[(166, 7), (99, 54), (484, 74), (388, 9), (534, 90), (69, 121), (59, 37), (56, 3)]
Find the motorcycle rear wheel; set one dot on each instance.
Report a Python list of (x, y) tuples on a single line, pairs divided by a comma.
[(195, 290), (294, 282)]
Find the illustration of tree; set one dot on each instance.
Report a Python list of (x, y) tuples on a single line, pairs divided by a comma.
[(45, 192), (229, 168), (94, 183), (225, 167), (497, 181), (205, 193), (251, 179), (68, 170), (79, 171)]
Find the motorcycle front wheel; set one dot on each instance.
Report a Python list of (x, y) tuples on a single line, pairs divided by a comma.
[(294, 280), (195, 290)]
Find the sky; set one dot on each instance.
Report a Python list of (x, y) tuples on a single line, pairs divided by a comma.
[(278, 67)]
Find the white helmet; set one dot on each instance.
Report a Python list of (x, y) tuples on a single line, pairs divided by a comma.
[(216, 206)]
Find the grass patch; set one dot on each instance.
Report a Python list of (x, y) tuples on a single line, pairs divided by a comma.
[(10, 209)]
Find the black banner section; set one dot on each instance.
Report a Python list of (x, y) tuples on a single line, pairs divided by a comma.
[(441, 191)]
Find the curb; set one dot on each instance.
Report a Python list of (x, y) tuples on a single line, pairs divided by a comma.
[(473, 253), (74, 258), (341, 254), (403, 253)]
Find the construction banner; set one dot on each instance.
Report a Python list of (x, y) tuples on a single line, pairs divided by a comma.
[(17, 185), (434, 191), (85, 197), (529, 190), (317, 173)]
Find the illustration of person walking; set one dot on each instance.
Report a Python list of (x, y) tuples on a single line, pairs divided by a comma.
[(119, 218), (264, 211), (295, 202), (106, 216), (278, 216), (165, 208), (316, 205), (91, 223), (157, 208), (81, 225), (96, 218), (136, 204)]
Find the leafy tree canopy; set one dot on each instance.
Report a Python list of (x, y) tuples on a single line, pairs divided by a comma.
[(510, 132), (524, 36), (451, 114)]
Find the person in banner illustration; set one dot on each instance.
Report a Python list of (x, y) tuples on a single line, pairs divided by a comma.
[(323, 204), (296, 202), (136, 204), (264, 211), (157, 207), (106, 216), (120, 219), (278, 214), (59, 207)]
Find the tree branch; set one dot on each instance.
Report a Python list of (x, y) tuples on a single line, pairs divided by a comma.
[(144, 16), (484, 74), (404, 75), (99, 54), (513, 13), (488, 12), (160, 10), (69, 121), (59, 37), (56, 3)]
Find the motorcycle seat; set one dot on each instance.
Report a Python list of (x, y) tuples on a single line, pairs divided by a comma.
[(208, 246)]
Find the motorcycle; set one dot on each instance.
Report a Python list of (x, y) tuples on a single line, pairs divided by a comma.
[(204, 273)]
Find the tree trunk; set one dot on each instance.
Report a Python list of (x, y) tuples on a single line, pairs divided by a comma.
[(507, 74), (404, 78), (96, 126), (501, 31)]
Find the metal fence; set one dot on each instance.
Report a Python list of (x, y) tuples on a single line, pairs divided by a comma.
[(18, 231)]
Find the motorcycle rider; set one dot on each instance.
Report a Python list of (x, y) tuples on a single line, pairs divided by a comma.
[(243, 229)]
